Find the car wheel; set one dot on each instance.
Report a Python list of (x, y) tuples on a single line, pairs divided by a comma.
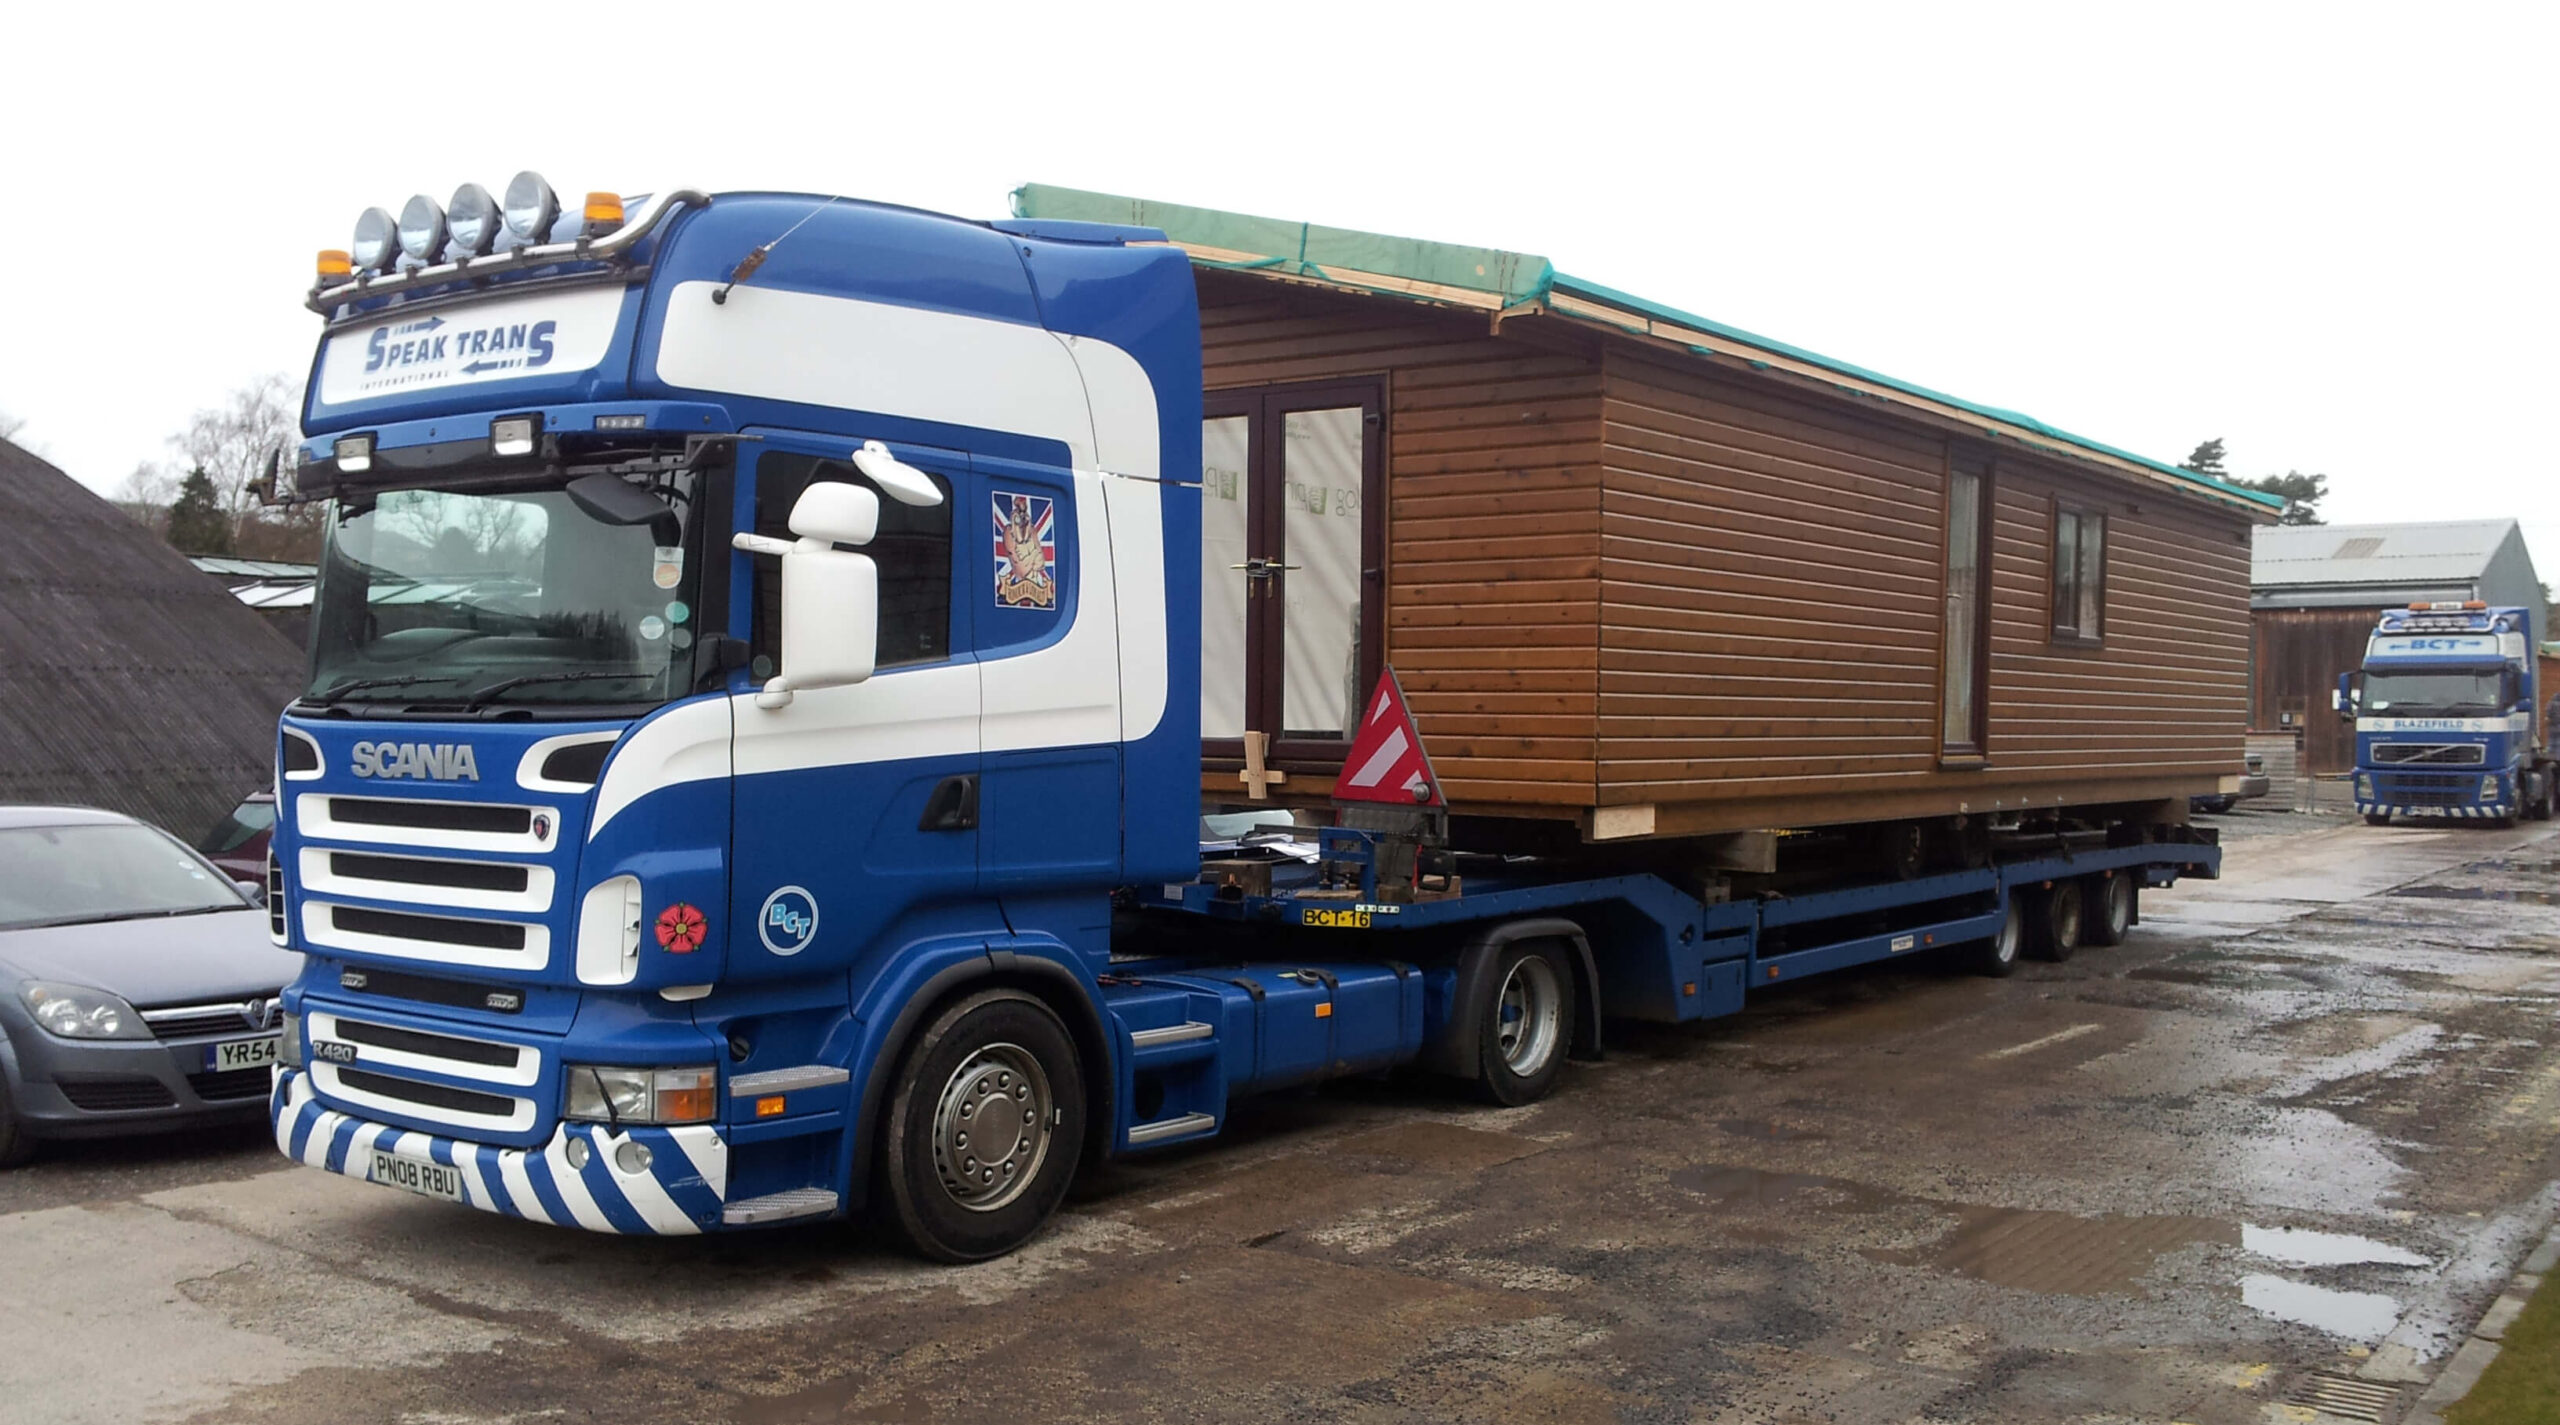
[(16, 1144), (1998, 956), (986, 1127), (2053, 922), (2113, 899), (1527, 1026)]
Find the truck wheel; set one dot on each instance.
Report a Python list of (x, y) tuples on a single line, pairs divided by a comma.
[(1998, 956), (985, 1129), (2053, 922), (2377, 818), (16, 1144), (2112, 900), (1527, 1025)]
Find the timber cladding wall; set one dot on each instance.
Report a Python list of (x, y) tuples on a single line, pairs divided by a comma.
[(1620, 578), (2299, 655)]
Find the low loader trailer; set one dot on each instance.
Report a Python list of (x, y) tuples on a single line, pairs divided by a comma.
[(751, 771)]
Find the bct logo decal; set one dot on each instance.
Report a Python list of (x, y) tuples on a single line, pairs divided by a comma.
[(789, 921), (1026, 551)]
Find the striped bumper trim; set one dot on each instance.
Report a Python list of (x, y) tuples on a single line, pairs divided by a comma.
[(2469, 813), (680, 1192)]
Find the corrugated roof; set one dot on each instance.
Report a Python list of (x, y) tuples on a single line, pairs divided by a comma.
[(128, 680), (2444, 552), (1493, 280)]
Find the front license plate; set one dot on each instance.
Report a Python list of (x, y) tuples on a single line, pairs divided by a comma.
[(424, 1179), (240, 1054)]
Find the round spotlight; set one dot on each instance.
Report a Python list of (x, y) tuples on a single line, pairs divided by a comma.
[(376, 241), (472, 218), (531, 209), (422, 229)]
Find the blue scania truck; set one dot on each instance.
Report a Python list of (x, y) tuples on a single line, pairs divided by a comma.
[(2448, 715), (750, 769)]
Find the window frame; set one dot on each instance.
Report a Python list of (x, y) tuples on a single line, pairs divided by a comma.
[(764, 641), (1975, 750), (2072, 635)]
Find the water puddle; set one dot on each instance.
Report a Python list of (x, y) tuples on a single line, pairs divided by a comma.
[(2355, 1315), (2057, 1251), (2301, 1247), (2478, 893)]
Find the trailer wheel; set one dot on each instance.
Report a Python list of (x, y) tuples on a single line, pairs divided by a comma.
[(2377, 818), (2114, 904), (1998, 956), (985, 1128), (1528, 1025), (2055, 921)]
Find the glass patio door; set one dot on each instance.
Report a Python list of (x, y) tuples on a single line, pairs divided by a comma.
[(1290, 556)]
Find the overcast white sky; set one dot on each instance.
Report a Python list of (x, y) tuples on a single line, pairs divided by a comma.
[(2324, 233)]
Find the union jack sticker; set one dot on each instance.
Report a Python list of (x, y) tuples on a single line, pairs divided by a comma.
[(1026, 551)]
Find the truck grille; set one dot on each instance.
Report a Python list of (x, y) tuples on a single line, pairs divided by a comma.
[(444, 1097), (2440, 754), (406, 1071), (450, 939), (2427, 789), (432, 816)]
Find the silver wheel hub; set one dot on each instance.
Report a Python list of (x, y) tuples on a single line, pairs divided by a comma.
[(991, 1127), (1529, 1016)]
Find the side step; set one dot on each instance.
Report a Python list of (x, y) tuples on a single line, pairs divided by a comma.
[(780, 1207), (1188, 1125)]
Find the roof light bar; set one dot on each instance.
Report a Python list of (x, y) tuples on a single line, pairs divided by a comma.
[(377, 281)]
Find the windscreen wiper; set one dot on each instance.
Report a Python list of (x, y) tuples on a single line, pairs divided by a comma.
[(489, 694), (322, 700)]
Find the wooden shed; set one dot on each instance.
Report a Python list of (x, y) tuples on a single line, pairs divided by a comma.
[(1653, 576)]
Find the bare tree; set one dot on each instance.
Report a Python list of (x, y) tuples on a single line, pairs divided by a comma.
[(10, 425), (231, 442)]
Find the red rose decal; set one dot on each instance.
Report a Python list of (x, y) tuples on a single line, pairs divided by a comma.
[(680, 929)]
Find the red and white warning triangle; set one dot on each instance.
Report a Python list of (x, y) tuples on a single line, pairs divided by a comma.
[(1387, 763)]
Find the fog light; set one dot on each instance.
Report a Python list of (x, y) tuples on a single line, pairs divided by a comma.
[(2488, 789), (355, 454), (632, 1158), (289, 1040), (513, 435), (577, 1152)]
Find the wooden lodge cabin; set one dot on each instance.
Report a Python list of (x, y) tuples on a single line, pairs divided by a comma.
[(1656, 577)]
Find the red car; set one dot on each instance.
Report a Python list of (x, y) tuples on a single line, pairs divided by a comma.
[(238, 844)]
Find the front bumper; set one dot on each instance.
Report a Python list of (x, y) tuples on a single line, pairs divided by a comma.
[(682, 1191), (112, 1087)]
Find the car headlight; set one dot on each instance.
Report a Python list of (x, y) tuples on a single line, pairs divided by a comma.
[(289, 1040), (606, 1093), (77, 1013)]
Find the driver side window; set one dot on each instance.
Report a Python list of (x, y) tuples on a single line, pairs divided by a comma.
[(912, 549)]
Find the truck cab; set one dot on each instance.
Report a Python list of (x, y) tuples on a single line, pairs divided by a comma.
[(2446, 716)]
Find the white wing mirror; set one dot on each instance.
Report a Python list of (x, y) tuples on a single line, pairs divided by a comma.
[(830, 596), (906, 484)]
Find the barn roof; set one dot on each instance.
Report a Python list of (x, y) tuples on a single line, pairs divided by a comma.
[(1514, 283), (2376, 555), (128, 680)]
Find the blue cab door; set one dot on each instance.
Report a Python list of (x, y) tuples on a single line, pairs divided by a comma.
[(856, 807)]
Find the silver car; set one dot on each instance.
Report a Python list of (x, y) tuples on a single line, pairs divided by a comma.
[(138, 984)]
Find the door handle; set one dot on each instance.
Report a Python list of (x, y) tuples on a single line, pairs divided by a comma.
[(952, 805)]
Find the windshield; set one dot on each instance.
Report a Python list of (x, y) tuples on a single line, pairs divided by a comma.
[(504, 595), (2451, 694), (238, 829), (63, 875)]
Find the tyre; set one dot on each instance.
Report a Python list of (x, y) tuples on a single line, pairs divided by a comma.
[(2054, 921), (2110, 903), (1998, 956), (1527, 1025), (985, 1128), (16, 1144), (2377, 818)]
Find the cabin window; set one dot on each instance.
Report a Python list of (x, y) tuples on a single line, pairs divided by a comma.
[(1963, 676), (912, 551), (1291, 546), (2079, 574)]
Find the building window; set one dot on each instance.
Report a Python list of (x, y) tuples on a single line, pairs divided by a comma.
[(2079, 575), (1965, 634)]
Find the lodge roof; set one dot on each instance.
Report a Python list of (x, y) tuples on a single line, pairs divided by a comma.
[(128, 680), (1513, 283)]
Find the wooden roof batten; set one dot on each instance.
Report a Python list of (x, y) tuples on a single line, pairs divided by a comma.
[(1510, 285)]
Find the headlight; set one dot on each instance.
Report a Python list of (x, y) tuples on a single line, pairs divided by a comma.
[(289, 1040), (422, 229), (2488, 789), (604, 1093), (2364, 789), (76, 1013)]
